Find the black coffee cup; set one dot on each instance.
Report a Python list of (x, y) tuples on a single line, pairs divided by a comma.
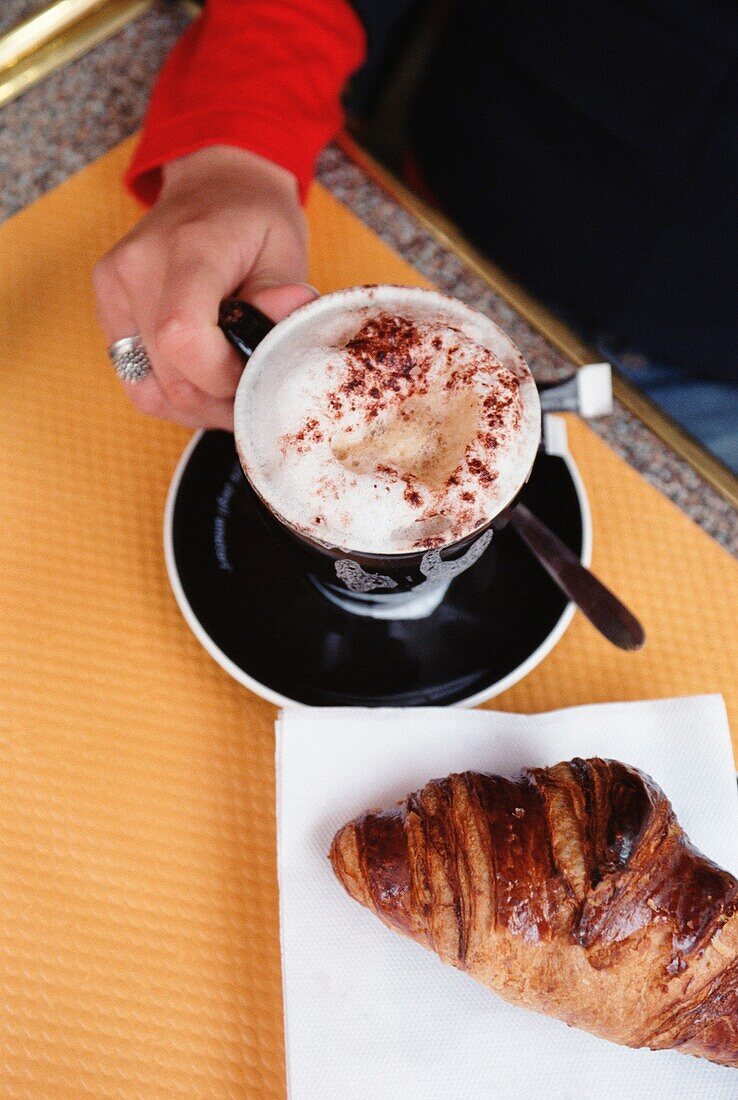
[(379, 585)]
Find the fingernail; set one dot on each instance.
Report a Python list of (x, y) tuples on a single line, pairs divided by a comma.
[(268, 284)]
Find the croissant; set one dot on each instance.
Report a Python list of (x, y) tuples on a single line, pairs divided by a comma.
[(571, 890)]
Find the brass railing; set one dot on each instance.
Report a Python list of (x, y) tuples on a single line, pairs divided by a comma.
[(66, 29), (57, 35)]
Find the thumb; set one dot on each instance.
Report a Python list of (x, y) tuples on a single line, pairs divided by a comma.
[(277, 300), (274, 283)]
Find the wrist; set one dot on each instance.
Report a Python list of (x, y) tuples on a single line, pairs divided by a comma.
[(227, 164)]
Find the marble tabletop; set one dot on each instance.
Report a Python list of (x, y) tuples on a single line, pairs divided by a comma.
[(82, 111)]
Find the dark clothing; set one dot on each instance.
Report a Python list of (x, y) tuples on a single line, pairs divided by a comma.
[(592, 149)]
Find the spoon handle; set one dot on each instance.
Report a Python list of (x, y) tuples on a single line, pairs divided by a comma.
[(603, 609)]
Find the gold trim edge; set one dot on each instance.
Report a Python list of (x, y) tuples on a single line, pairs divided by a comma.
[(66, 45), (59, 34), (718, 476), (41, 27)]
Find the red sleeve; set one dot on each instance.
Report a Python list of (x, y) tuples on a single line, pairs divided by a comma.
[(263, 75)]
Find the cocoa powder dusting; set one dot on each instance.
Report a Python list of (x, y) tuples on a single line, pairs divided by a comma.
[(303, 438), (383, 360), (431, 543), (387, 364), (509, 382), (326, 488), (480, 471), (411, 495)]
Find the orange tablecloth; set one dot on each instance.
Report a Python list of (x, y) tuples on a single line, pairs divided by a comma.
[(138, 899)]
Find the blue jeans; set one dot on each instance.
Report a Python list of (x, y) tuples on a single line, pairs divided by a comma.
[(708, 410)]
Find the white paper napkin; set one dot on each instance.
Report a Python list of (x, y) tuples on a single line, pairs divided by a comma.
[(370, 1015)]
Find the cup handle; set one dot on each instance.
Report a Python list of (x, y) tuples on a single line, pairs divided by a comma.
[(244, 325)]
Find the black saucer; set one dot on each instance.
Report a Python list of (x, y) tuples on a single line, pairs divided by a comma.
[(269, 628)]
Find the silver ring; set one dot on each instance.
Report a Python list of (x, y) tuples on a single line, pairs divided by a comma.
[(129, 358)]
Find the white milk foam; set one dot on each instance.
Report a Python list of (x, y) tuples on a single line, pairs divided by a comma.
[(387, 420)]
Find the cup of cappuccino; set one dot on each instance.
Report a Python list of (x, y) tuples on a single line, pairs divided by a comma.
[(383, 429)]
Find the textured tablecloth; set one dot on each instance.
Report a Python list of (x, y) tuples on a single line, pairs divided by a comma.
[(138, 899)]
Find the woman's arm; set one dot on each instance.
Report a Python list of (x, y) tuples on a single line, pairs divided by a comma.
[(246, 100), (261, 75)]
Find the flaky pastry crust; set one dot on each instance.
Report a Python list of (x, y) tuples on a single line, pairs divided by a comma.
[(571, 890)]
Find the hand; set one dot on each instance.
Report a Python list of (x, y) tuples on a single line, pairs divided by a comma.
[(227, 223)]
